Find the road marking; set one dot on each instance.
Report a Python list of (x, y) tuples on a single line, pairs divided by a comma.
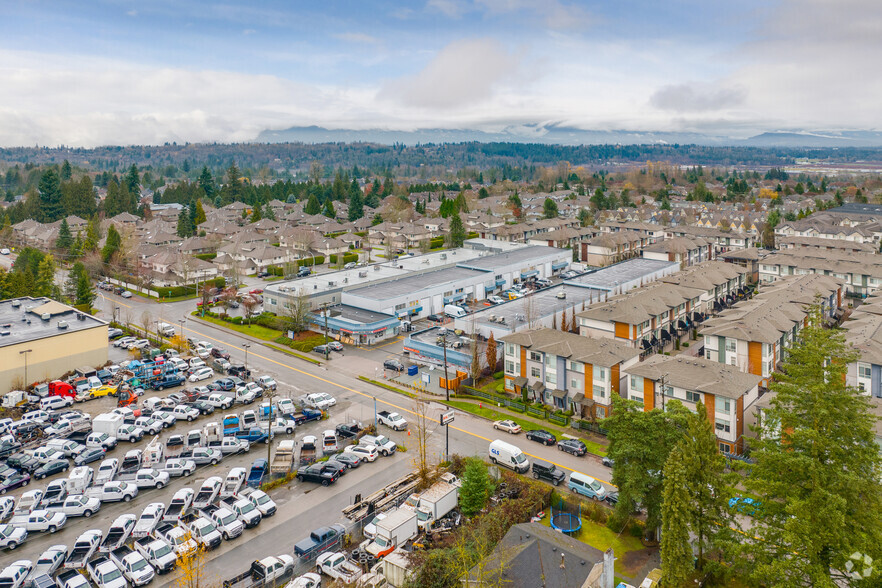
[(399, 408), (112, 301)]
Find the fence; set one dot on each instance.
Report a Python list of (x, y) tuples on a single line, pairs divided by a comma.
[(589, 426), (558, 419), (134, 287)]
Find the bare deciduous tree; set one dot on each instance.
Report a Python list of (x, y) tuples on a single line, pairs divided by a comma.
[(297, 311), (146, 321), (421, 432)]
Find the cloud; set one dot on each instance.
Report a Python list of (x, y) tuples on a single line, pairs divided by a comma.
[(697, 97), (553, 14), (357, 38), (462, 73), (132, 13), (449, 8), (249, 32)]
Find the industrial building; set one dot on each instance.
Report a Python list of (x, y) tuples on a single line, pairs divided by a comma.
[(42, 339)]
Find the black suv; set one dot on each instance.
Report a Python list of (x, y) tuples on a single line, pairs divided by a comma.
[(317, 473), (541, 436), (548, 471)]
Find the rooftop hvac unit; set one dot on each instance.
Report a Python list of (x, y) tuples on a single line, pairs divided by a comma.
[(16, 303), (345, 280), (443, 256), (376, 268), (46, 316), (332, 284), (62, 325), (362, 274), (81, 316)]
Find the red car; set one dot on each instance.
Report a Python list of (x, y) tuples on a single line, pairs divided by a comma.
[(257, 291)]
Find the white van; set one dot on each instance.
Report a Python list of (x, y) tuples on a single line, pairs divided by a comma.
[(165, 330), (508, 455), (454, 311), (586, 486)]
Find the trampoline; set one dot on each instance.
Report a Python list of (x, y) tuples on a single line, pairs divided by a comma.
[(566, 522)]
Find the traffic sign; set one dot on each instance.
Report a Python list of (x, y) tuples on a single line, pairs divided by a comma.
[(446, 417)]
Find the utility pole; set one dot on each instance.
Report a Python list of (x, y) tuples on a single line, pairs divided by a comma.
[(246, 346), (325, 310), (181, 322), (270, 394), (446, 382), (661, 384)]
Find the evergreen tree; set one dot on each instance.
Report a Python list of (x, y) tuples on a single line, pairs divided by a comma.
[(206, 182), (84, 292), (460, 202), (356, 204), (21, 284), (49, 209), (133, 182), (65, 239), (550, 208), (112, 244), (185, 225), (44, 283), (372, 200), (492, 353), (483, 193), (312, 205), (76, 249), (457, 234), (256, 214), (817, 468), (328, 209), (676, 551), (475, 487), (268, 212), (93, 234), (65, 171), (112, 204)]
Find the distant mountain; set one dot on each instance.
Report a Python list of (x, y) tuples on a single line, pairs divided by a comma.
[(553, 134), (529, 133), (816, 139)]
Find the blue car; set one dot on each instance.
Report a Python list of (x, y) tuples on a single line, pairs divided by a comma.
[(257, 473), (745, 505)]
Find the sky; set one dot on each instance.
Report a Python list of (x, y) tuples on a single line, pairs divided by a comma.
[(100, 72)]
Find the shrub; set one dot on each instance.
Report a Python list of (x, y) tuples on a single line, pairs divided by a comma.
[(176, 291), (635, 529), (347, 257), (220, 282), (498, 375), (436, 242), (310, 261), (237, 320), (206, 256)]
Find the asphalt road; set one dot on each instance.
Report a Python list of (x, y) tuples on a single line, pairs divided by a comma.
[(302, 507)]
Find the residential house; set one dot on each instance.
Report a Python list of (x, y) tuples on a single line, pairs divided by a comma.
[(608, 248), (754, 334), (861, 273), (566, 370), (685, 251), (722, 241), (863, 331), (171, 268), (725, 391), (747, 258)]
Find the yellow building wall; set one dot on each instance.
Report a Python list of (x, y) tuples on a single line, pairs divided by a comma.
[(52, 357)]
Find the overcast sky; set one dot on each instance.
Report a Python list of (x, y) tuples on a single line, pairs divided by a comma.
[(96, 72)]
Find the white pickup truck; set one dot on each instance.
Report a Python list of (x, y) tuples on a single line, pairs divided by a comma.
[(133, 566), (179, 467), (104, 574), (84, 548), (335, 565), (76, 505), (39, 520), (393, 420), (158, 553), (146, 478), (12, 536), (115, 491), (149, 519)]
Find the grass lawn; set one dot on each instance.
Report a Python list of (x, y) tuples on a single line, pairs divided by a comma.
[(602, 537), (295, 354), (257, 331), (593, 446)]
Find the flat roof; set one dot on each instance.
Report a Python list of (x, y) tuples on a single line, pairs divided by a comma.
[(20, 323), (360, 315), (544, 303), (414, 283), (522, 255), (608, 278)]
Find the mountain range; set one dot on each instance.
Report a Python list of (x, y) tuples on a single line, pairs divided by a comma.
[(567, 135)]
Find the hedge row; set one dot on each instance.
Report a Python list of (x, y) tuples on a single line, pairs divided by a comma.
[(206, 256), (347, 257), (436, 242), (308, 261), (305, 345), (176, 291)]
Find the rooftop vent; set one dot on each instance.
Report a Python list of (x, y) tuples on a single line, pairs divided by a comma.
[(362, 274), (376, 268), (46, 316), (4, 333), (16, 303), (443, 256), (62, 325)]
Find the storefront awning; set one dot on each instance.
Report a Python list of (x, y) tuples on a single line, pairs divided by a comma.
[(559, 265)]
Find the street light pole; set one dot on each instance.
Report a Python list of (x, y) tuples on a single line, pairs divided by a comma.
[(446, 381), (246, 346), (25, 353), (325, 305)]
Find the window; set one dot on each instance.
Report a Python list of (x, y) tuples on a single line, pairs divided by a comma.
[(509, 367), (692, 396), (535, 372), (732, 360), (724, 405), (535, 356), (574, 384), (549, 359), (399, 306), (723, 426), (575, 367), (448, 294), (601, 374), (599, 392), (668, 391), (509, 349), (725, 448), (864, 371), (600, 411), (551, 378), (731, 345), (637, 398), (636, 384), (708, 353)]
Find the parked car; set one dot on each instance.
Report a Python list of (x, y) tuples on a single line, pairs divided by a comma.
[(200, 374), (335, 346), (14, 481), (541, 436), (573, 446), (89, 455), (350, 460), (507, 426), (393, 364), (50, 468)]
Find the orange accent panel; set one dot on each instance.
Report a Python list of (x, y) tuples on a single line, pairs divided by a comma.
[(589, 381), (755, 358), (621, 330), (739, 425), (711, 407), (616, 384), (523, 362), (648, 394)]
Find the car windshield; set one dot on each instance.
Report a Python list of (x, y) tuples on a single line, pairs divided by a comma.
[(246, 508), (206, 529), (229, 520), (519, 458), (110, 576), (422, 515), (262, 499), (164, 550), (381, 542), (139, 565)]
